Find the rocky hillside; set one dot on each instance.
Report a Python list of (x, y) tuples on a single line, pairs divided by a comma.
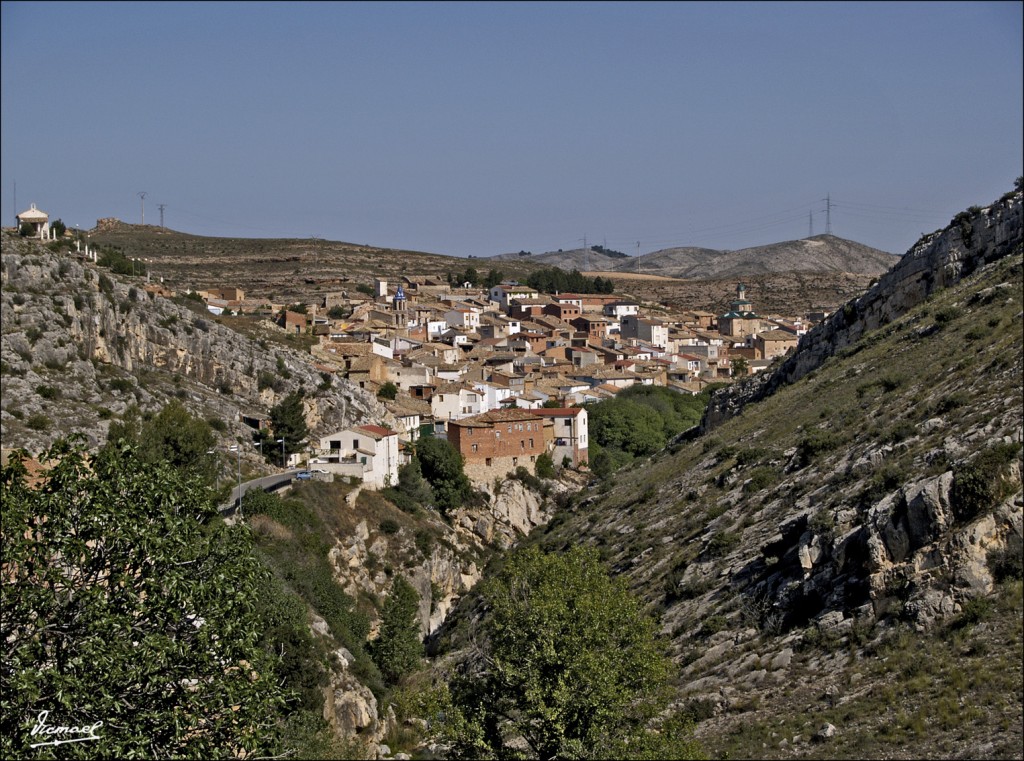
[(79, 346), (836, 560), (819, 254)]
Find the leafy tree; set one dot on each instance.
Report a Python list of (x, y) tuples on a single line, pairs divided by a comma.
[(128, 602), (338, 312), (387, 391), (545, 467), (740, 366), (399, 648), (411, 481), (494, 277), (173, 436), (58, 227), (572, 668), (443, 468), (470, 276), (288, 422)]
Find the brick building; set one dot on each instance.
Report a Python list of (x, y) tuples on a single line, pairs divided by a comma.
[(499, 441)]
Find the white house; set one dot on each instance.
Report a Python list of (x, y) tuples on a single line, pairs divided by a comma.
[(493, 394), (619, 309), (570, 434), (456, 401), (466, 319), (368, 452), (649, 330), (505, 293)]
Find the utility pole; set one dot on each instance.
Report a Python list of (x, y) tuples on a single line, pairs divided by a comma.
[(239, 490), (586, 255), (142, 194), (810, 224), (638, 257), (161, 207), (828, 214)]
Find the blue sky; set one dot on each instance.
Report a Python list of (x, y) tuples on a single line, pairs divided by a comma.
[(485, 128)]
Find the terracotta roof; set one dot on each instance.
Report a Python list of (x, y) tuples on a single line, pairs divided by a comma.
[(376, 431)]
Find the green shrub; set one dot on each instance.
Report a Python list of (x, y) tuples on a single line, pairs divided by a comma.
[(722, 543), (815, 443), (48, 392), (979, 486), (389, 526), (38, 422), (712, 625), (760, 478), (545, 467)]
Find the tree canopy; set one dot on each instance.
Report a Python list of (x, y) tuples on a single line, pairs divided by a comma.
[(638, 422), (398, 650), (288, 422), (172, 436), (571, 667), (553, 279), (127, 601), (442, 467)]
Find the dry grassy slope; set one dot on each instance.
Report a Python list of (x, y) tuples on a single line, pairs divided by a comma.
[(280, 269), (760, 567)]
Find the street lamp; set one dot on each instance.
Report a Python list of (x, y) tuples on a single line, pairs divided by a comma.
[(238, 449), (281, 442)]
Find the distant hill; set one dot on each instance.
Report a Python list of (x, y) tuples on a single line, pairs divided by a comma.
[(820, 253)]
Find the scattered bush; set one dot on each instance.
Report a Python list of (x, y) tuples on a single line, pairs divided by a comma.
[(48, 392), (38, 422)]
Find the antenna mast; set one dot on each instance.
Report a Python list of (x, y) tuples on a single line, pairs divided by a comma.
[(828, 214), (810, 224), (142, 194), (161, 207)]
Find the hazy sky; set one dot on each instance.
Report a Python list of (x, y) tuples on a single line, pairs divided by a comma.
[(485, 128)]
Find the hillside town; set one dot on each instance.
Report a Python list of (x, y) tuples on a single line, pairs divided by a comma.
[(505, 373)]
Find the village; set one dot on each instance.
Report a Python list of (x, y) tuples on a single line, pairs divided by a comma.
[(504, 373)]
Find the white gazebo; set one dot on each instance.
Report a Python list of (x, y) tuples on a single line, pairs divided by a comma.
[(39, 220)]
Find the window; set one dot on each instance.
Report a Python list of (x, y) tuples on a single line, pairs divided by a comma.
[(531, 443), (487, 462), (475, 447), (355, 443), (335, 444)]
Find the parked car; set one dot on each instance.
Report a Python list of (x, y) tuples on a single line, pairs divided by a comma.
[(303, 475)]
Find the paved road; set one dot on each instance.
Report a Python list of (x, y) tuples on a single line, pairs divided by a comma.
[(267, 483)]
